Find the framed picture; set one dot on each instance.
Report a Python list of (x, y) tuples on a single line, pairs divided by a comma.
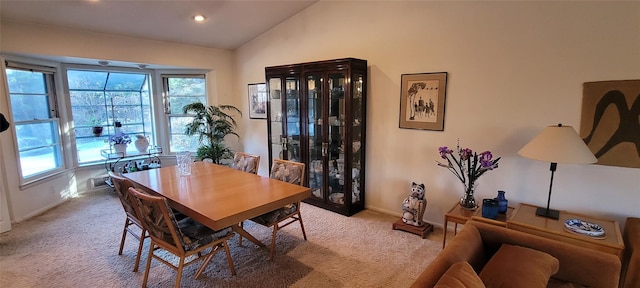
[(422, 101), (258, 101)]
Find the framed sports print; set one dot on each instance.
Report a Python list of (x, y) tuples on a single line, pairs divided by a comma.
[(422, 99), (258, 101)]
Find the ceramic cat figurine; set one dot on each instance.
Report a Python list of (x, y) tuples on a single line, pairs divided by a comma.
[(413, 207)]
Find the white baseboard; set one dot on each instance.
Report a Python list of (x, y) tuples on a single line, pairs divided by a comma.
[(98, 190), (40, 211), (5, 226)]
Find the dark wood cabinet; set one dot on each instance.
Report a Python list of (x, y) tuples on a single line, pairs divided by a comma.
[(317, 115)]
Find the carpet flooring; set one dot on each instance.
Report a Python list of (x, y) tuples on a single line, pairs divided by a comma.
[(76, 245)]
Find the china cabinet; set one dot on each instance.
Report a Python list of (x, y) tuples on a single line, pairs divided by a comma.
[(317, 115)]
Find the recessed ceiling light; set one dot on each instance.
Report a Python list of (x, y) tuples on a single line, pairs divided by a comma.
[(103, 63), (199, 18), (143, 66)]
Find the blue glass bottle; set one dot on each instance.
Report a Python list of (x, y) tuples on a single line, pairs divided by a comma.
[(503, 203)]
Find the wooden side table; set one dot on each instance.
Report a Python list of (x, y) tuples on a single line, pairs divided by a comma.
[(459, 215), (524, 219)]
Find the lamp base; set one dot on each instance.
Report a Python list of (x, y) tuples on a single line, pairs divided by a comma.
[(549, 213)]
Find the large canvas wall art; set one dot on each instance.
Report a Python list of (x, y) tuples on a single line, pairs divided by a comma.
[(610, 123)]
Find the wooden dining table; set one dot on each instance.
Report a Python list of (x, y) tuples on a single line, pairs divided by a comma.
[(218, 196)]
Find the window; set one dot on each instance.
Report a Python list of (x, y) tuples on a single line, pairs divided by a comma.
[(180, 90), (102, 98), (36, 123)]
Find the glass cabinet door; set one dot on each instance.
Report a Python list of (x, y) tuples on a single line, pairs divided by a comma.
[(292, 124), (336, 137), (284, 118), (275, 124), (316, 141), (356, 136)]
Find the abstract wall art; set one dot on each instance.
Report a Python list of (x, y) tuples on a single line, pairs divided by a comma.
[(610, 123)]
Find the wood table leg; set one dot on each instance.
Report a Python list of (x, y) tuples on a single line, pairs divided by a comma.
[(246, 234), (444, 237)]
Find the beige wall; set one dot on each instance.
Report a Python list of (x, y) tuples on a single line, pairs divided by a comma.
[(514, 68), (47, 42)]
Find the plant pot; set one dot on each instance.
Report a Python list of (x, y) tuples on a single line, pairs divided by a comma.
[(120, 148), (97, 131), (490, 208)]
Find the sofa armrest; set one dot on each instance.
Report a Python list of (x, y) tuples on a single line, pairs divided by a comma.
[(578, 265), (630, 277), (465, 247)]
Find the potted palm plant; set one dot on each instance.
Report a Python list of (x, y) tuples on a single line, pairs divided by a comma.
[(212, 124)]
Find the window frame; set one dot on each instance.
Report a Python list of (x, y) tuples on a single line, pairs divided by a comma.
[(65, 129), (150, 77), (51, 77), (166, 107)]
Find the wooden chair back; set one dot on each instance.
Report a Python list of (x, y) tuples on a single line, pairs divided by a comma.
[(291, 172), (246, 162), (121, 186), (156, 216), (165, 233), (288, 171)]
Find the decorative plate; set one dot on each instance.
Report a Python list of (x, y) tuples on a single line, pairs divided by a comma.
[(337, 198), (289, 156), (584, 227)]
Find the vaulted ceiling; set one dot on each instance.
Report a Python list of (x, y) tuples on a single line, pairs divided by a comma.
[(228, 24)]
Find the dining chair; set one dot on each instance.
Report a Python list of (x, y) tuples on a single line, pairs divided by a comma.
[(121, 186), (246, 162), (184, 238), (291, 172)]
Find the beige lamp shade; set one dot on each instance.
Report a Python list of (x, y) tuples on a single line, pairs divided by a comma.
[(558, 144)]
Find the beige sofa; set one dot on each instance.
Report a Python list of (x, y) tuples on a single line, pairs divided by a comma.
[(478, 242), (630, 276)]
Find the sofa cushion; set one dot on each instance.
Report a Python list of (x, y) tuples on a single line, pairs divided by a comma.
[(579, 265), (516, 266), (555, 283), (460, 275), (466, 247)]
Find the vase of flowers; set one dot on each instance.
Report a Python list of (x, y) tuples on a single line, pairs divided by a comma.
[(119, 142), (468, 201), (468, 166)]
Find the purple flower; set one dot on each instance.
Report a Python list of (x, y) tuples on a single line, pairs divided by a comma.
[(444, 151), (465, 153), (119, 138), (468, 166), (485, 159)]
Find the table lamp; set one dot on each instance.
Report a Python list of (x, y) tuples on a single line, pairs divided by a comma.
[(557, 144)]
